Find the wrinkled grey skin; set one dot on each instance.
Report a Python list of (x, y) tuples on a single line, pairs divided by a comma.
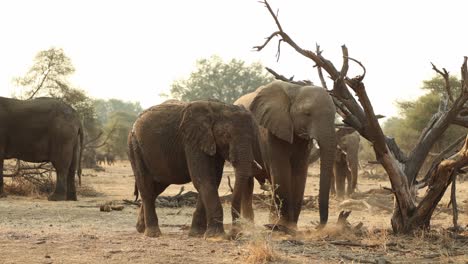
[(290, 116), (346, 163), (43, 130), (177, 143)]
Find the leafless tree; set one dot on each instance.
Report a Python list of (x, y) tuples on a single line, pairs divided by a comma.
[(402, 169)]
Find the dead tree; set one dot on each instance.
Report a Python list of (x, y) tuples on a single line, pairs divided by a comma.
[(402, 169)]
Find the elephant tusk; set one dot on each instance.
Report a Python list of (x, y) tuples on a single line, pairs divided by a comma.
[(258, 165)]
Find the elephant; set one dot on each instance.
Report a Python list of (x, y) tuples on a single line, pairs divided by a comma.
[(43, 130), (346, 163), (110, 158), (178, 142), (100, 158), (290, 116)]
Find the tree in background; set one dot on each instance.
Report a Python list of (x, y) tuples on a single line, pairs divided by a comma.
[(214, 78), (416, 114), (117, 117), (48, 76), (101, 118)]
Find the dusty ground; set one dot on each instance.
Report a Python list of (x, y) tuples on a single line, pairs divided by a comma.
[(34, 230)]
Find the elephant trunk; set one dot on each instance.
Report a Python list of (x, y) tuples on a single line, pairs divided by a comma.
[(241, 159), (327, 144)]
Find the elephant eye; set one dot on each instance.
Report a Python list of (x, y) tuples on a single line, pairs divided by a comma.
[(307, 114)]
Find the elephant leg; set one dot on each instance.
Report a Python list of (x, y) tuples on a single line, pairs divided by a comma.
[(247, 200), (198, 227), (140, 225), (61, 158), (349, 180), (71, 188), (2, 191), (213, 209), (280, 171), (353, 167), (149, 210), (205, 173), (299, 175), (299, 165), (341, 168), (199, 224)]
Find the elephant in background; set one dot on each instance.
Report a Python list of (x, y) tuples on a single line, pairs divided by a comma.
[(110, 158), (100, 158), (177, 142), (43, 130), (346, 163), (290, 116)]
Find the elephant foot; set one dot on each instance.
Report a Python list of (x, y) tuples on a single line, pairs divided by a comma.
[(235, 233), (2, 193), (196, 232), (152, 231), (57, 197), (72, 197), (340, 197), (215, 232), (140, 227)]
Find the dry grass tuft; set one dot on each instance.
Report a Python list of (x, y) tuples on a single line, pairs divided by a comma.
[(330, 231), (24, 186), (260, 251), (88, 191)]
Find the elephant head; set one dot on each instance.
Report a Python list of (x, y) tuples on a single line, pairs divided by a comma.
[(226, 132), (308, 112)]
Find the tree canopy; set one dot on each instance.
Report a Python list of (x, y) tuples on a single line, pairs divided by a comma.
[(117, 118), (111, 119), (225, 81)]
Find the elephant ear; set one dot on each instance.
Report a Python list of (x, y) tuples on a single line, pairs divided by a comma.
[(196, 127), (271, 109)]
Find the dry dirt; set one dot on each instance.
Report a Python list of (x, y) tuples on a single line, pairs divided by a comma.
[(34, 230)]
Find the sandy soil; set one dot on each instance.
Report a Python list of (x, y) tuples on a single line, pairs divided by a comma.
[(34, 230)]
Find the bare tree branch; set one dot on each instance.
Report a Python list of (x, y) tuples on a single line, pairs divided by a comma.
[(290, 80), (319, 69), (453, 201), (87, 144), (401, 169), (446, 76)]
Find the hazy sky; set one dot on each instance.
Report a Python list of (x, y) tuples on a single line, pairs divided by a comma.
[(134, 50)]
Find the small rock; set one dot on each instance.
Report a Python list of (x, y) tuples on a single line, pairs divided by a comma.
[(105, 208)]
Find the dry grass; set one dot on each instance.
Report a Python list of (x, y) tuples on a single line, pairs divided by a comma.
[(88, 191), (24, 186), (260, 250)]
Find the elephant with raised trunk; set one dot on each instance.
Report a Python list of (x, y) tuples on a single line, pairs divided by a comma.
[(43, 130), (177, 143), (290, 116)]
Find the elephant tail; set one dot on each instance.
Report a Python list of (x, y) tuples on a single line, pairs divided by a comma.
[(80, 155), (135, 192), (136, 160)]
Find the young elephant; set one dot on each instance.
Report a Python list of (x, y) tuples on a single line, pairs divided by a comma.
[(176, 142)]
